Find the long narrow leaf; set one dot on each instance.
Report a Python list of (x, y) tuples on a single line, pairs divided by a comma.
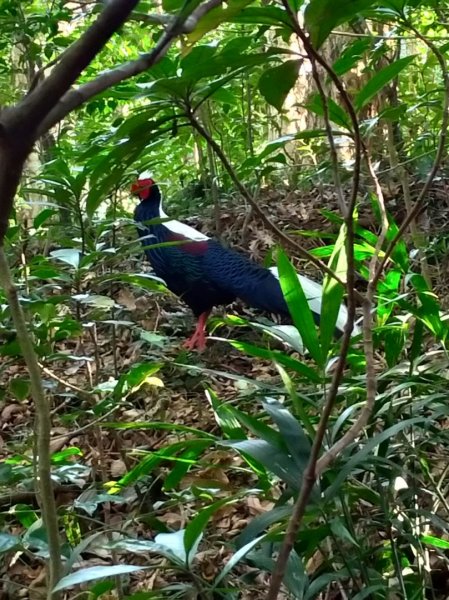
[(299, 307), (333, 292)]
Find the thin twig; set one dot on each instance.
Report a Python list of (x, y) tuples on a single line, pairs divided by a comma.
[(438, 156), (371, 383), (310, 474), (43, 425)]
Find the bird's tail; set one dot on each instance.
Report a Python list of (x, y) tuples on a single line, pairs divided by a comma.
[(313, 292)]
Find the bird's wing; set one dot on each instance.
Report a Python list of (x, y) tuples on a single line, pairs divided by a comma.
[(234, 273)]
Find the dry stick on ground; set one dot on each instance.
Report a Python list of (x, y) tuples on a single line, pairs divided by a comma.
[(20, 127), (310, 471)]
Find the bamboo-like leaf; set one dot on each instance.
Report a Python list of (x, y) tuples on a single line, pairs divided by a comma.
[(380, 80), (333, 292), (299, 307)]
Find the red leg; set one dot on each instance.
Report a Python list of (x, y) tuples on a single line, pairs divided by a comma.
[(198, 339)]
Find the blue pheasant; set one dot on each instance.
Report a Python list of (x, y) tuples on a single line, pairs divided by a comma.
[(204, 273)]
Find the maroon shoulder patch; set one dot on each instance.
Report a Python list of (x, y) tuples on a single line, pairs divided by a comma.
[(190, 246)]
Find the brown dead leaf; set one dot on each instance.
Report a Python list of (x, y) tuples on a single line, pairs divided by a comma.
[(126, 299), (118, 468)]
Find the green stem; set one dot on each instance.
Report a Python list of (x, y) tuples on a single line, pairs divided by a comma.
[(43, 427)]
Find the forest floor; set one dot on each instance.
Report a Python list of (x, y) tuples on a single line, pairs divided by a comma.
[(91, 434)]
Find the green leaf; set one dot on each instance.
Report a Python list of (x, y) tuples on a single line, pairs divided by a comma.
[(20, 388), (351, 55), (431, 540), (292, 434), (139, 375), (299, 307), (194, 530), (380, 79), (92, 573), (43, 216), (70, 256), (336, 113), (8, 542), (321, 16), (174, 543), (183, 462), (276, 82), (280, 357), (272, 458), (236, 558), (212, 19), (333, 292), (264, 15)]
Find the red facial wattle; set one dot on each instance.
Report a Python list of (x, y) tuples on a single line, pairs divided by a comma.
[(142, 188)]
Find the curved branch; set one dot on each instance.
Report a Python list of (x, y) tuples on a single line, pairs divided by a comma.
[(75, 98), (26, 116)]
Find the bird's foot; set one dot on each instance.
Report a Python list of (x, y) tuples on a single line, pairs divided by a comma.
[(196, 342)]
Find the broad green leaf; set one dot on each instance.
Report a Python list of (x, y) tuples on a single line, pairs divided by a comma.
[(212, 19), (351, 55), (43, 216), (184, 461), (225, 418), (276, 82), (341, 532), (292, 434), (70, 256), (20, 388), (299, 307), (174, 543), (431, 540), (336, 113), (264, 15), (194, 530), (139, 375), (380, 80), (261, 523), (91, 573), (321, 16), (8, 542), (274, 460)]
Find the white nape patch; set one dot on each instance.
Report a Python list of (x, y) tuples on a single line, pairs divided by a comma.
[(145, 175), (181, 228), (313, 291)]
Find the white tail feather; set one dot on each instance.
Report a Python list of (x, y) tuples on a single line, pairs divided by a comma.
[(313, 292)]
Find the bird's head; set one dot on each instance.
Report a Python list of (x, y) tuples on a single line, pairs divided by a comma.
[(145, 188)]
